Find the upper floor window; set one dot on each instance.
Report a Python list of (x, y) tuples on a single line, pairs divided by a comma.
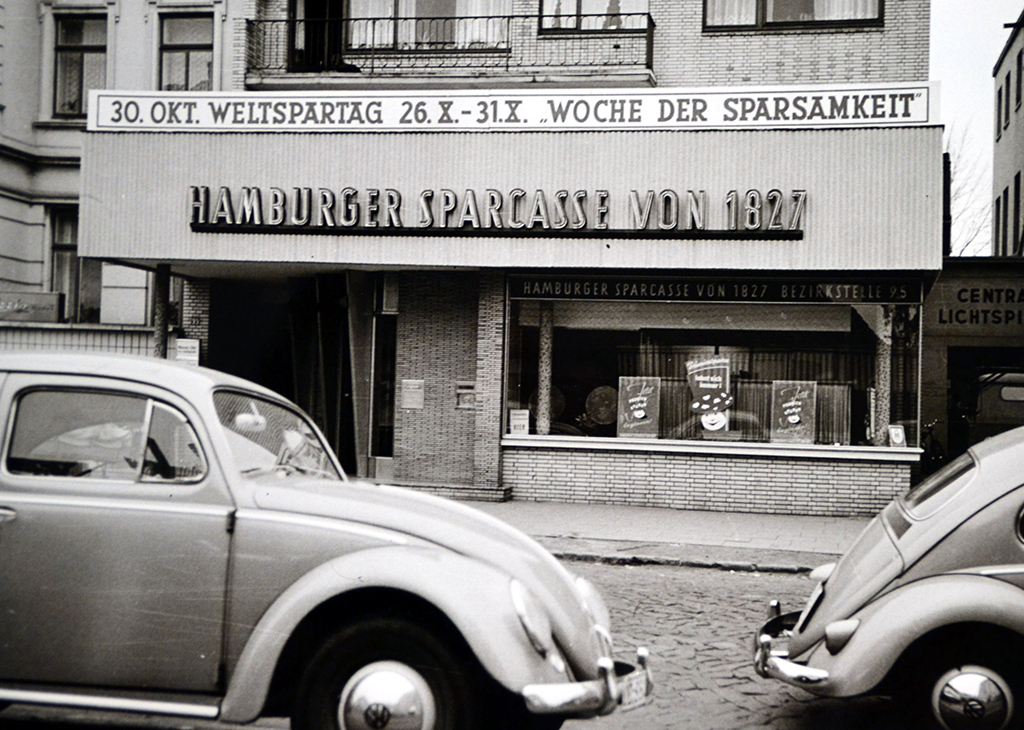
[(768, 13), (1006, 110), (1020, 70), (186, 52), (576, 15), (427, 24), (81, 62), (999, 111)]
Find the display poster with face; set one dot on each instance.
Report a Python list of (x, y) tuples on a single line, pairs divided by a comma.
[(639, 407), (794, 405), (710, 397)]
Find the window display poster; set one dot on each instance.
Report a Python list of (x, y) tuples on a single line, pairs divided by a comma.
[(709, 391), (794, 405), (639, 406)]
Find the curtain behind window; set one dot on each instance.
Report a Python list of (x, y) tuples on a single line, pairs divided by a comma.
[(731, 12)]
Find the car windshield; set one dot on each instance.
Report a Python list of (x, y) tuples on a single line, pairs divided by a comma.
[(931, 494), (268, 437)]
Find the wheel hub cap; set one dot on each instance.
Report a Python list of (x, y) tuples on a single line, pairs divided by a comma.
[(386, 696), (972, 697)]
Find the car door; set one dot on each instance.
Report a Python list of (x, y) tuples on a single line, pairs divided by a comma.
[(114, 538)]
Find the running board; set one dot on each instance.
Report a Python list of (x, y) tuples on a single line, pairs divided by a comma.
[(105, 702)]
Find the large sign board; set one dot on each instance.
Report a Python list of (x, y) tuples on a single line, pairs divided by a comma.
[(505, 111)]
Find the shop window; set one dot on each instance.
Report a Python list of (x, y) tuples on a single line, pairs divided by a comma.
[(769, 13), (593, 15), (816, 374), (186, 52), (80, 62), (79, 280)]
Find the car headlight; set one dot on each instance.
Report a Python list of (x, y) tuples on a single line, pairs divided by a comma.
[(593, 604), (536, 624)]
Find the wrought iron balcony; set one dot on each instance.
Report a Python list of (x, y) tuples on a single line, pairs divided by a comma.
[(481, 45)]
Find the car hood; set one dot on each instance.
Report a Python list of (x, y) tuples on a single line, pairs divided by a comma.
[(898, 547), (455, 527), (871, 563)]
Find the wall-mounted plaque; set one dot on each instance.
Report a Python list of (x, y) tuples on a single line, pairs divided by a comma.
[(412, 394)]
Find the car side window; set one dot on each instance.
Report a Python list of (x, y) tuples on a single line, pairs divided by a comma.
[(172, 449), (102, 435)]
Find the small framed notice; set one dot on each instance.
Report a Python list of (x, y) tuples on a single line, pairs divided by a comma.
[(897, 436), (412, 395), (186, 350), (519, 421)]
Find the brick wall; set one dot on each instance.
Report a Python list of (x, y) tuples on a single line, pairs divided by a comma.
[(685, 55), (770, 485), (437, 338)]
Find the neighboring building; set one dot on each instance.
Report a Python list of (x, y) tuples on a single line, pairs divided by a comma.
[(506, 248), (973, 354), (1008, 149)]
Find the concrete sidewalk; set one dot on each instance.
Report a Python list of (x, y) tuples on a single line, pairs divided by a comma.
[(646, 535)]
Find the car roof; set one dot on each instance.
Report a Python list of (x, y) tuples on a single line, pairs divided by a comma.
[(188, 379)]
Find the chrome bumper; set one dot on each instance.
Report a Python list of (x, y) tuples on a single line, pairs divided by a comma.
[(774, 662), (619, 684)]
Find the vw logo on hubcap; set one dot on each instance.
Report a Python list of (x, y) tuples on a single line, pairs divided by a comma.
[(378, 716)]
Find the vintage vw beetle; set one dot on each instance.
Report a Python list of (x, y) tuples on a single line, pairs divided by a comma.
[(177, 541), (927, 605)]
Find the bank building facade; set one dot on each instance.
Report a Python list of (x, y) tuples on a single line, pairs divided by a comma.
[(654, 253)]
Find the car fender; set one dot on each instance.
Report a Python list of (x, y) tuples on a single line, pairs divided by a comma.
[(474, 595), (890, 624)]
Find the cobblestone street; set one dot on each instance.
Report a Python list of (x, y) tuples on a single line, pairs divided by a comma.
[(698, 625)]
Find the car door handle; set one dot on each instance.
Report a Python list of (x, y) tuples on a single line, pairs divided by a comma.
[(7, 514)]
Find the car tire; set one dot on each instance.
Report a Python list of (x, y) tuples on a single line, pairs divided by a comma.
[(384, 667), (968, 687)]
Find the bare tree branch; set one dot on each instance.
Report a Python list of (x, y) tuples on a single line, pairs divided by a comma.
[(970, 195)]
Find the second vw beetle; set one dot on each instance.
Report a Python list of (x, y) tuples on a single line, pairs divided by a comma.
[(928, 604)]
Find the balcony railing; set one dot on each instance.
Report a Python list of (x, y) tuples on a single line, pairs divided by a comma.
[(409, 45)]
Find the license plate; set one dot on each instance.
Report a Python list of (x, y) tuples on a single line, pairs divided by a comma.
[(634, 690)]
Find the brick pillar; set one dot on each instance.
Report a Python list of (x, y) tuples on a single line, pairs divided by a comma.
[(490, 349), (195, 313)]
